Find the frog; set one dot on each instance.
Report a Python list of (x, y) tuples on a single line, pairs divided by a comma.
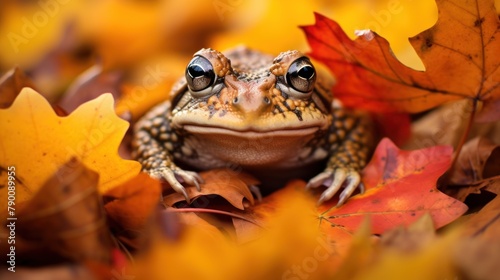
[(264, 114)]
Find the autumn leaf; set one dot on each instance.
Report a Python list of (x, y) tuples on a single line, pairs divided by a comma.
[(477, 161), (486, 223), (478, 253), (63, 221), (130, 207), (30, 29), (89, 85), (459, 54), (222, 182), (36, 141), (401, 187), (430, 262), (478, 258), (291, 226), (414, 237), (11, 84)]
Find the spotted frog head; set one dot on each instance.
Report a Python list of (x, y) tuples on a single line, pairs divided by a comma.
[(250, 108)]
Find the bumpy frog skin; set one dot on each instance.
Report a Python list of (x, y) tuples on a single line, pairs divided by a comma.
[(247, 109)]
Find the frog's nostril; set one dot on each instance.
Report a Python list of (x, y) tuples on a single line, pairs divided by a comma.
[(267, 100), (235, 100)]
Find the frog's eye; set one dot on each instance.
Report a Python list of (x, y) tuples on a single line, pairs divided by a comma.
[(301, 75), (200, 74)]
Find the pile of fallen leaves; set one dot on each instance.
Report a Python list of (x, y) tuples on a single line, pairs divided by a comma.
[(74, 206)]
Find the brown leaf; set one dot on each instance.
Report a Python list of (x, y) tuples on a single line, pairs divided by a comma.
[(445, 126), (89, 85), (11, 84), (65, 218), (223, 182), (130, 207), (478, 160), (478, 254), (462, 192), (478, 258), (442, 126), (412, 238), (67, 272), (486, 223)]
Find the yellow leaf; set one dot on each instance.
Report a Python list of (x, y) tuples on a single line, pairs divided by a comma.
[(290, 247), (36, 141), (150, 84), (275, 29), (414, 252), (123, 31), (29, 29), (433, 262)]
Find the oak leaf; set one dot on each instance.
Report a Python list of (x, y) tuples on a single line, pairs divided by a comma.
[(459, 54), (36, 141)]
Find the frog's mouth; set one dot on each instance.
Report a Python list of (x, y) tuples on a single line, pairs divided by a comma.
[(249, 147), (252, 133)]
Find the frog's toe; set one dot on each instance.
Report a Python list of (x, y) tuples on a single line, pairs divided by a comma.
[(354, 181), (189, 177), (172, 177), (256, 192), (320, 179), (334, 180)]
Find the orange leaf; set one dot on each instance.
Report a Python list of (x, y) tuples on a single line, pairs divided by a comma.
[(36, 141), (460, 54), (401, 187), (130, 207), (223, 182)]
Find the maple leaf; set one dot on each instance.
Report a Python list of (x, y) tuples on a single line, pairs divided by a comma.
[(401, 187), (460, 55), (36, 141)]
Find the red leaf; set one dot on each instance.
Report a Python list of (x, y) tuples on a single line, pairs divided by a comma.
[(401, 187), (460, 54)]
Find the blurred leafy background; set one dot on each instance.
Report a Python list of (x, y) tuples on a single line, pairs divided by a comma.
[(55, 41)]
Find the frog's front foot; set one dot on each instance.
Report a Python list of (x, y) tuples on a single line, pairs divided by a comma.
[(175, 176), (334, 179)]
